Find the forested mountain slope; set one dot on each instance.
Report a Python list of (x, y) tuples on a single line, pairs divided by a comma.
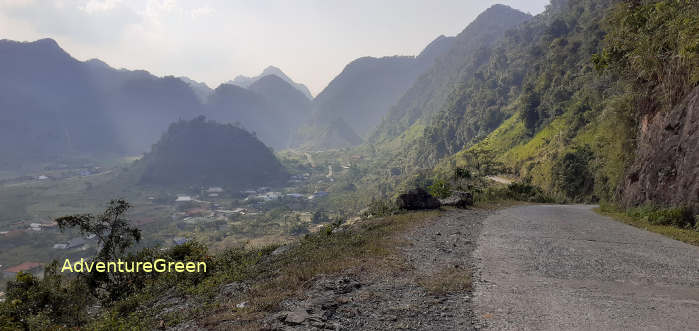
[(590, 100), (432, 90)]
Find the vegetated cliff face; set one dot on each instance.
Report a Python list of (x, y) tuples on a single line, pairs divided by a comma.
[(666, 168), (201, 153)]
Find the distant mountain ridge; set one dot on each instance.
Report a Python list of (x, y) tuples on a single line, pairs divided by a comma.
[(245, 81), (63, 108), (358, 98)]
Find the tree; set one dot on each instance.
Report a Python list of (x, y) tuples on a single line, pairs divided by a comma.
[(529, 111), (115, 236)]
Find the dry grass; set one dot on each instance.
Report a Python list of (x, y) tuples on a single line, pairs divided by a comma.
[(447, 280), (367, 246), (688, 236)]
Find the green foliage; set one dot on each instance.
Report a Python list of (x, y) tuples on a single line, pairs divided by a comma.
[(115, 236), (440, 189), (530, 112), (34, 303), (638, 217), (462, 173), (527, 192), (655, 44), (200, 153), (320, 216), (680, 217), (298, 229), (571, 173), (382, 208)]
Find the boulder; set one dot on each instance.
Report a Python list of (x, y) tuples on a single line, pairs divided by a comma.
[(417, 199), (458, 199)]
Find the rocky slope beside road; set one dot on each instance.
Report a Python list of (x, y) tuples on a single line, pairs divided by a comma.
[(428, 291)]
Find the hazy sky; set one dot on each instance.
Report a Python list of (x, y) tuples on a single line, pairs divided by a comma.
[(213, 41)]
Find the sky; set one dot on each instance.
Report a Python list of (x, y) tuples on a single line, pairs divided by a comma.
[(215, 40)]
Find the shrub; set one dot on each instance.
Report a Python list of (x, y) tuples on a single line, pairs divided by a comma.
[(462, 173), (440, 189), (381, 208), (571, 174), (298, 229), (527, 192), (680, 217)]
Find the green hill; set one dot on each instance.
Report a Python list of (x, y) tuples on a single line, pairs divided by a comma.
[(200, 153)]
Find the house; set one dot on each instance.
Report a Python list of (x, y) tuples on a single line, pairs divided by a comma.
[(215, 190), (231, 212), (179, 240), (75, 243), (49, 226), (269, 196), (183, 198), (317, 195), (29, 267)]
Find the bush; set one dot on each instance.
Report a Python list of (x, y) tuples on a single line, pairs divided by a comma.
[(571, 174), (298, 229), (680, 217), (527, 192), (462, 173), (381, 208), (440, 189)]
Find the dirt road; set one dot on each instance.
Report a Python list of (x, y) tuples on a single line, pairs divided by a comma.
[(568, 268), (537, 267)]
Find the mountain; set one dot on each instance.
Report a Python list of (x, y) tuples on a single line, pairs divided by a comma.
[(244, 81), (271, 109), (294, 106), (567, 104), (201, 153), (66, 109), (200, 89), (358, 98), (335, 133), (50, 108), (431, 91)]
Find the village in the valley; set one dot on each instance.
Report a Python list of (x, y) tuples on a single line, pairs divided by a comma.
[(214, 215)]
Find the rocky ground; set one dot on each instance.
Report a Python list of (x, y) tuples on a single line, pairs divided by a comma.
[(409, 296)]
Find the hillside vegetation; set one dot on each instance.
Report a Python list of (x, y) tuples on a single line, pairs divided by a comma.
[(562, 100), (200, 153)]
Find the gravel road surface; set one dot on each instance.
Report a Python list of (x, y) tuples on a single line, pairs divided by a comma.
[(547, 267)]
